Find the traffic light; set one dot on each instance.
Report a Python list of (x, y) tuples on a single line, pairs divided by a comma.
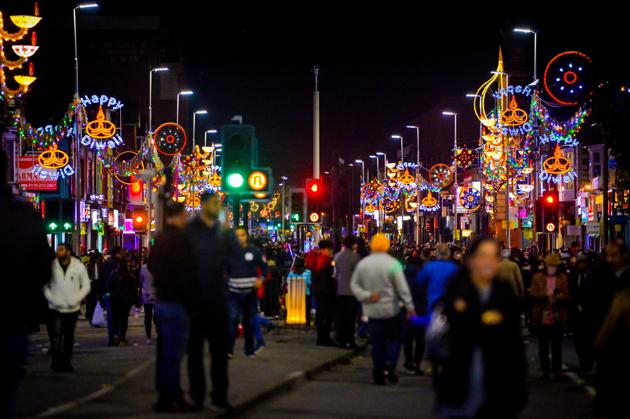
[(241, 174), (58, 216), (139, 220), (296, 217), (314, 189), (549, 205)]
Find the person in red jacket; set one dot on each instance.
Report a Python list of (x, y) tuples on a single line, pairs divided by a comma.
[(319, 262)]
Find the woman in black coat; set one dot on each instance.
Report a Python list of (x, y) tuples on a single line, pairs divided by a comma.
[(483, 374)]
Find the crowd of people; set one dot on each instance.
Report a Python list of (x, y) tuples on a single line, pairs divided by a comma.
[(460, 313)]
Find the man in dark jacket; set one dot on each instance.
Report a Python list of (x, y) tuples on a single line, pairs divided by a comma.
[(324, 291), (246, 270), (347, 305), (173, 266), (23, 250), (116, 257), (210, 319)]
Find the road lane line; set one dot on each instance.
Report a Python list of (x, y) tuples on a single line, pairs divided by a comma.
[(106, 389)]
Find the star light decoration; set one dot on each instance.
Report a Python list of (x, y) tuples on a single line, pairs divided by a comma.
[(24, 52), (464, 157)]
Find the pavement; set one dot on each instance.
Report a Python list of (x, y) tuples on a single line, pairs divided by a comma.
[(119, 381), (292, 378)]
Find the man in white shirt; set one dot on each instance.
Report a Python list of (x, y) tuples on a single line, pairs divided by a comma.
[(68, 286)]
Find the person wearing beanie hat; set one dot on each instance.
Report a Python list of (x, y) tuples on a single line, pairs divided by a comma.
[(379, 283), (550, 315)]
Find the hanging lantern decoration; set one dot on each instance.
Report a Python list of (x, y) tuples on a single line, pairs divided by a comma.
[(513, 116), (441, 175), (170, 138), (470, 198)]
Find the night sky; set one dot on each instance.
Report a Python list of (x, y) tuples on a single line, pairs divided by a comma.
[(377, 73)]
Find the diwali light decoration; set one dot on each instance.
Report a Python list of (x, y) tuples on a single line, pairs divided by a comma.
[(567, 77), (125, 167), (429, 203), (470, 198), (170, 138), (513, 116), (53, 158), (441, 175), (22, 51), (101, 133), (43, 137), (100, 128), (390, 205), (464, 157)]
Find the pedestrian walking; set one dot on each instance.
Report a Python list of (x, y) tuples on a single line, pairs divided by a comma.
[(550, 313), (435, 274), (319, 261), (246, 269), (510, 272), (69, 284), (172, 266), (345, 262), (24, 251), (93, 268), (413, 338), (147, 298), (116, 257), (123, 287), (482, 374), (379, 284), (209, 321)]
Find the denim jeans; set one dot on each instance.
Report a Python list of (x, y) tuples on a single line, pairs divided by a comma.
[(13, 351), (173, 330), (385, 336), (62, 327), (258, 334), (247, 305)]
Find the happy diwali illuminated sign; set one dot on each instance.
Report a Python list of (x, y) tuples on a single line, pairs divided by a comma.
[(101, 133), (557, 168)]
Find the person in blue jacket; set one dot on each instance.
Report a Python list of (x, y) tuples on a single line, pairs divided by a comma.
[(434, 276)]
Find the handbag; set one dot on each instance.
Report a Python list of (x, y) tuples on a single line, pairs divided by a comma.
[(98, 318)]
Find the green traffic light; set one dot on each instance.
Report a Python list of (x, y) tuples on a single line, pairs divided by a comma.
[(295, 216), (53, 226), (235, 180), (67, 226)]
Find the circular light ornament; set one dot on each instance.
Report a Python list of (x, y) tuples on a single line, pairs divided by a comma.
[(170, 138), (567, 77), (440, 175), (470, 198)]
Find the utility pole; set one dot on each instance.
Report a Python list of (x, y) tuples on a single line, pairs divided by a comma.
[(316, 124)]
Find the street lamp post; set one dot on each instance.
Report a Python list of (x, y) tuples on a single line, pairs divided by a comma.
[(182, 93), (402, 145), (76, 237), (153, 70), (378, 168), (417, 229), (362, 163), (199, 112), (456, 226), (283, 180), (480, 145), (205, 137), (384, 156)]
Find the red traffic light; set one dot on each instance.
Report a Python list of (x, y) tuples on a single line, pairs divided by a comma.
[(313, 187), (139, 219), (550, 199)]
